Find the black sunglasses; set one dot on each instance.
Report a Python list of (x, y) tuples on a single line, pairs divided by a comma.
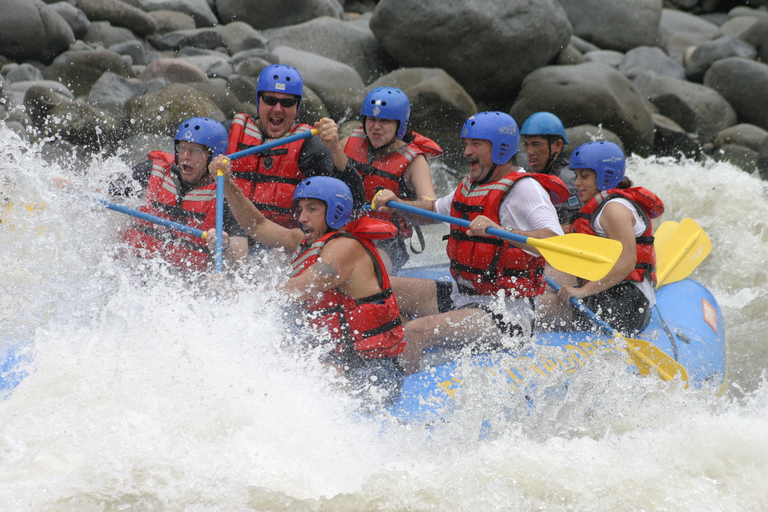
[(285, 102)]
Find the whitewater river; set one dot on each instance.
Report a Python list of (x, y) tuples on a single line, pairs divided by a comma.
[(146, 393)]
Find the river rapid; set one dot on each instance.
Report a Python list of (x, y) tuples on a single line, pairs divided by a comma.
[(146, 392)]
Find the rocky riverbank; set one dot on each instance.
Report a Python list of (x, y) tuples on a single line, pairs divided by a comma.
[(677, 77)]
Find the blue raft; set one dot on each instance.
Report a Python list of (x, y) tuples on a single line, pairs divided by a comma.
[(687, 325)]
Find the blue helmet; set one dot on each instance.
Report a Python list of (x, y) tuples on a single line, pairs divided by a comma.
[(388, 103), (205, 131), (497, 127), (544, 123), (333, 192), (605, 158), (280, 78)]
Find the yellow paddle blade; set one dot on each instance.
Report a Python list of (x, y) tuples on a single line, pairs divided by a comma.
[(686, 247), (663, 235), (586, 256), (649, 358)]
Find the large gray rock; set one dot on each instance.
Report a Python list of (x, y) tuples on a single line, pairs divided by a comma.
[(762, 159), (119, 14), (743, 83), (171, 21), (83, 124), (744, 134), (721, 48), (273, 13), (33, 32), (111, 92), (209, 38), (163, 111), (488, 47), (76, 18), (645, 58), (21, 72), (200, 10), (615, 24), (583, 133), (80, 70), (439, 106), (696, 108), (671, 139), (239, 36), (339, 85), (173, 70), (340, 41), (105, 35), (757, 36), (680, 30), (588, 93)]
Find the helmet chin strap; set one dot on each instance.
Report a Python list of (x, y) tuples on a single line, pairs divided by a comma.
[(487, 176)]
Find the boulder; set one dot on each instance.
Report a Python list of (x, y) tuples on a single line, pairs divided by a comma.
[(171, 21), (111, 92), (340, 41), (34, 32), (757, 36), (103, 34), (615, 24), (173, 70), (200, 10), (239, 36), (439, 106), (588, 93), (488, 47), (671, 139), (743, 83), (337, 84), (608, 57), (273, 13), (119, 14), (698, 109), (76, 18), (581, 134), (742, 157), (83, 124), (79, 70), (163, 111), (21, 72), (762, 159), (721, 48), (645, 58), (747, 135), (207, 38), (680, 30)]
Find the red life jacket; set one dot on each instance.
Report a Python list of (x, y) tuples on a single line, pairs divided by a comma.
[(370, 326), (484, 265), (648, 206), (389, 171), (270, 178), (196, 209)]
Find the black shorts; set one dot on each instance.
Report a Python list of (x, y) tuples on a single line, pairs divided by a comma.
[(445, 304), (623, 307)]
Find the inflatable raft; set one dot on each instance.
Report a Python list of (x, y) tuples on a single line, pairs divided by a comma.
[(687, 326)]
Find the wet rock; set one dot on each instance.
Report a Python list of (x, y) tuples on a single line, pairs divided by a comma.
[(79, 70), (615, 24), (273, 13), (743, 83), (34, 32), (489, 59), (119, 14), (721, 48), (644, 58), (163, 111), (75, 18)]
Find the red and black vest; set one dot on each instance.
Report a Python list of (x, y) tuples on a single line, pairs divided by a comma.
[(197, 209), (370, 326), (388, 171), (270, 178), (648, 206), (484, 265)]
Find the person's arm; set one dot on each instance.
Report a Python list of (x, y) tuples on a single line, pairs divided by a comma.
[(384, 196), (315, 160), (338, 260), (328, 133), (618, 222), (253, 222), (418, 177)]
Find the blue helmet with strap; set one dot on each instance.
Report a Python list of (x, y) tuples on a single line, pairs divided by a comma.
[(333, 192), (205, 131), (544, 123), (280, 78), (388, 103), (497, 127), (605, 158)]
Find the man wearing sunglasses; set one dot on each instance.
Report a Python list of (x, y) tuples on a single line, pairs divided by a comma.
[(270, 178)]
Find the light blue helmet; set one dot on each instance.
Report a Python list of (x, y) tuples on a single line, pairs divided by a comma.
[(388, 103), (205, 131), (280, 78), (497, 127), (333, 192), (605, 158), (544, 123)]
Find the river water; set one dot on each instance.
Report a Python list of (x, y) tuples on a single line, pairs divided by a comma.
[(145, 392)]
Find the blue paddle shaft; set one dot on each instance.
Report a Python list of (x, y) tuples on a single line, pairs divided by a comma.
[(272, 144), (151, 218), (455, 220), (219, 249), (584, 309)]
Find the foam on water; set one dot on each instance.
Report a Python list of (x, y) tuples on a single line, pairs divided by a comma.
[(144, 392)]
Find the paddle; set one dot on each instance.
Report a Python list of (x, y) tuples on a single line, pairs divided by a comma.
[(646, 356), (219, 248), (151, 218), (679, 250), (273, 144), (586, 256)]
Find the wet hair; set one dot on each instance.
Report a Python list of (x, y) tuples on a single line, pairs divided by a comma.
[(625, 183)]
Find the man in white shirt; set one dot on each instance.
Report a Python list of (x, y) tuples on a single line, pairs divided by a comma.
[(496, 281)]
